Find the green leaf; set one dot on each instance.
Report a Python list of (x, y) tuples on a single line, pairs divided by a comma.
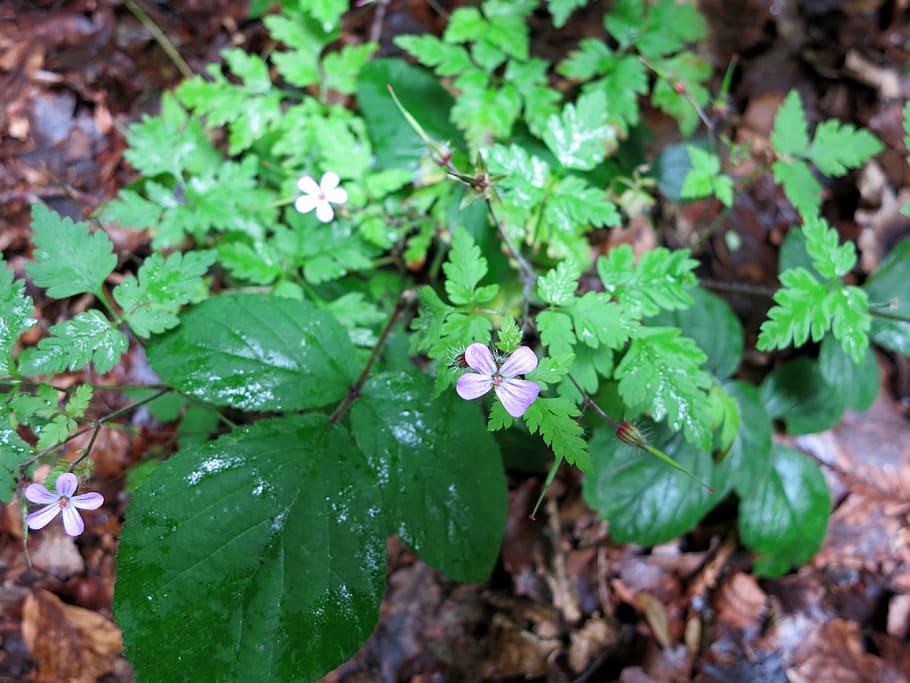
[(68, 258), (839, 147), (784, 518), (573, 203), (690, 70), (13, 452), (829, 260), (581, 136), (278, 522), (715, 328), (790, 135), (561, 9), (670, 26), (887, 289), (464, 268), (749, 459), (856, 382), (87, 337), (557, 287), (439, 473), (484, 110), (151, 301), (661, 373), (395, 143), (341, 68), (257, 352), (645, 501), (556, 420), (660, 280), (797, 393), (327, 12), (448, 60), (16, 311), (704, 178), (427, 327), (509, 336), (601, 321), (132, 210), (800, 186), (555, 329)]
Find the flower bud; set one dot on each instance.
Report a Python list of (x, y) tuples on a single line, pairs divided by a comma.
[(630, 434)]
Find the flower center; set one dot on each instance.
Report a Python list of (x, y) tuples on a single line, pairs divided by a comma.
[(497, 380), (63, 502)]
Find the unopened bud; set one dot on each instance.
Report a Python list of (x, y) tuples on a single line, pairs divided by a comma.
[(459, 361), (679, 87), (629, 433)]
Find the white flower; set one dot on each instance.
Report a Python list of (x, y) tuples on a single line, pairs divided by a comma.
[(318, 196), (63, 501)]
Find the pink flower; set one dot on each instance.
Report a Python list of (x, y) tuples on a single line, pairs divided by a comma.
[(514, 394), (62, 501), (319, 196)]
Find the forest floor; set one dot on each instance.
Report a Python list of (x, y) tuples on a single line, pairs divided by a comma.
[(564, 603)]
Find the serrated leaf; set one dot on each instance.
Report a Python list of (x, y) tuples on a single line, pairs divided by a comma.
[(790, 135), (132, 210), (88, 337), (509, 336), (557, 287), (800, 186), (660, 280), (278, 522), (692, 71), (427, 327), (150, 302), (556, 333), (449, 60), (715, 328), (13, 452), (556, 420), (68, 258), (341, 68), (661, 373), (598, 321), (839, 147), (828, 259), (704, 178), (645, 501), (799, 312), (439, 473), (16, 311), (561, 9), (464, 268), (797, 393), (580, 136), (573, 204), (784, 518), (257, 352)]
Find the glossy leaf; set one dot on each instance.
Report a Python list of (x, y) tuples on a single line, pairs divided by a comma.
[(887, 290), (257, 352), (748, 461), (797, 393), (644, 500), (16, 311), (856, 382), (73, 344), (255, 557), (784, 518), (439, 472)]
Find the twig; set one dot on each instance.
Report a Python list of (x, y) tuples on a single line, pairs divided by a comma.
[(160, 38), (403, 302)]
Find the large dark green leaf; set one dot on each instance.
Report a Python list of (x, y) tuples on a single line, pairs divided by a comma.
[(889, 284), (715, 328), (644, 500), (257, 352), (439, 470), (798, 394), (784, 518), (258, 557), (856, 382), (395, 143), (749, 459)]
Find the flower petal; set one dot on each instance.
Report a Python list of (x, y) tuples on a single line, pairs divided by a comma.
[(471, 385), (72, 521), (517, 394), (478, 356), (66, 484), (306, 203), (41, 518), (522, 361), (329, 182), (308, 185), (324, 211), (36, 493), (88, 501), (337, 195)]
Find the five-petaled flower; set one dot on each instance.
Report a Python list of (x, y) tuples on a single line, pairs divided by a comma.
[(514, 394), (63, 501), (319, 196)]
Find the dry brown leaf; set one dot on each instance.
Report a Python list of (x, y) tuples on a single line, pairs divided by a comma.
[(589, 641), (57, 553), (740, 603), (68, 643), (834, 654)]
